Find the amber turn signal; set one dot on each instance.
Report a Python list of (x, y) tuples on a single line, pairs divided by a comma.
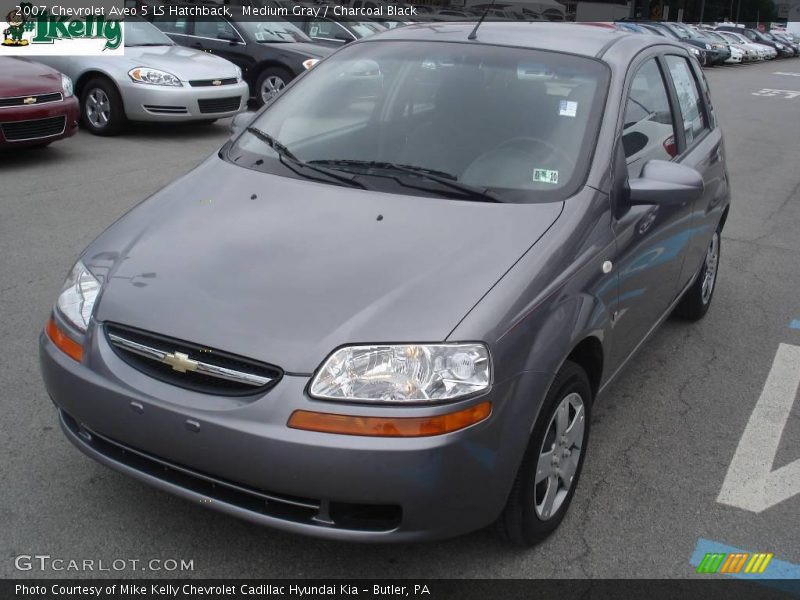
[(390, 426), (64, 343)]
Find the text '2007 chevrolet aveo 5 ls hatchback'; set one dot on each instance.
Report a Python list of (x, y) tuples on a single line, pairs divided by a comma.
[(382, 311)]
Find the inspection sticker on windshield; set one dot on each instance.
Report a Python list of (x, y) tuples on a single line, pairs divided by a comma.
[(567, 108), (545, 176)]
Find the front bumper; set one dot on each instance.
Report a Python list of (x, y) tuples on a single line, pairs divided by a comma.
[(239, 457), (66, 108), (164, 103)]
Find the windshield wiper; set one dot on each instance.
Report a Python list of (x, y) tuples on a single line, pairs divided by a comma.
[(444, 179), (294, 164)]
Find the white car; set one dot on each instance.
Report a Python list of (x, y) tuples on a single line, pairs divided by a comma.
[(155, 80), (765, 52), (736, 57)]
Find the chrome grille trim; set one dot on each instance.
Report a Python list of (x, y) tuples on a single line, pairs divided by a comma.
[(17, 101), (198, 366)]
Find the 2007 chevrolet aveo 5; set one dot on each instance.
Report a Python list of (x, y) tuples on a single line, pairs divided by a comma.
[(383, 310)]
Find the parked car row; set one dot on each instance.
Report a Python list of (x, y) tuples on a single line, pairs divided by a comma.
[(727, 43)]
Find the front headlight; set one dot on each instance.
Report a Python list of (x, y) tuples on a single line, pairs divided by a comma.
[(153, 77), (403, 373), (77, 298), (707, 47), (66, 85), (694, 51), (238, 72)]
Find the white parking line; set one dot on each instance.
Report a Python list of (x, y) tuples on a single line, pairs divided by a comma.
[(787, 94), (788, 73), (750, 483)]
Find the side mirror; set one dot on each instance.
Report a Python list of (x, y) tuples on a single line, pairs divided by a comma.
[(664, 182), (228, 37), (241, 121)]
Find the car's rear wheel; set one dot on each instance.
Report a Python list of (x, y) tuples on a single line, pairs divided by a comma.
[(549, 473), (696, 301), (270, 82), (102, 111)]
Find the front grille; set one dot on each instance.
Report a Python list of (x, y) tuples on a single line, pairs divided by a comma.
[(213, 82), (19, 131), (309, 511), (160, 109), (219, 105), (25, 100), (209, 371)]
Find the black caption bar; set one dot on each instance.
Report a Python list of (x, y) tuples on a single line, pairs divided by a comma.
[(480, 589)]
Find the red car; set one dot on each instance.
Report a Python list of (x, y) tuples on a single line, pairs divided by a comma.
[(37, 105)]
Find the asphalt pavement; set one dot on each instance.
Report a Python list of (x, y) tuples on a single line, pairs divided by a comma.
[(662, 441)]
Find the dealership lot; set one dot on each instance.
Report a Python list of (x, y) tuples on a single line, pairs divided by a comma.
[(662, 441)]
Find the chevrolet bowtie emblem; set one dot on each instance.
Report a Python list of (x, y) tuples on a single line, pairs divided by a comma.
[(216, 82), (30, 100), (180, 362)]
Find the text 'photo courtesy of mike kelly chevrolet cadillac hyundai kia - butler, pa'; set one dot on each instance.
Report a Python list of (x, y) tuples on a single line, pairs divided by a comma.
[(356, 297)]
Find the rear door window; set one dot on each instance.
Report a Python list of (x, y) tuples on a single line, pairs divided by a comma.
[(689, 97)]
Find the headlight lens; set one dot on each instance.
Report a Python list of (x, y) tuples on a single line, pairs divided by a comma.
[(66, 85), (153, 77), (238, 72), (694, 51), (707, 47), (404, 373), (309, 62), (77, 298)]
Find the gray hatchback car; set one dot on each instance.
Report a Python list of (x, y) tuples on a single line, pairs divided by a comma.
[(384, 309)]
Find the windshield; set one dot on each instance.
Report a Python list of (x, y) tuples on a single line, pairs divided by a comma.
[(142, 33), (273, 31), (715, 36), (521, 123), (365, 29), (729, 37)]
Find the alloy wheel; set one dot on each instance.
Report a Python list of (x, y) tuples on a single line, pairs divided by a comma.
[(559, 456), (98, 108), (271, 86)]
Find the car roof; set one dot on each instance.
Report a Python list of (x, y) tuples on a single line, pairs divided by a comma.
[(573, 38)]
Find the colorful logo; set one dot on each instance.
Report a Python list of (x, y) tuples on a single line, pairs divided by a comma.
[(734, 562), (12, 34), (32, 30)]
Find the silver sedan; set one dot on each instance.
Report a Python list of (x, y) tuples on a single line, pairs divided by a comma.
[(156, 80)]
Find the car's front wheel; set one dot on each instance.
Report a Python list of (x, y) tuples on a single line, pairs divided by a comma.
[(102, 112), (696, 301), (270, 82), (546, 480)]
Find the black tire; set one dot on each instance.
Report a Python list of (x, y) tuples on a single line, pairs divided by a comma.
[(115, 120), (520, 522), (696, 301), (275, 74)]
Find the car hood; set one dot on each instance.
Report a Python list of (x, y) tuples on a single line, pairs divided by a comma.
[(285, 270), (19, 77), (306, 49), (185, 63)]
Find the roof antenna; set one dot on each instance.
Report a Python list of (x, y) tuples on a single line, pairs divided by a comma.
[(474, 34)]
